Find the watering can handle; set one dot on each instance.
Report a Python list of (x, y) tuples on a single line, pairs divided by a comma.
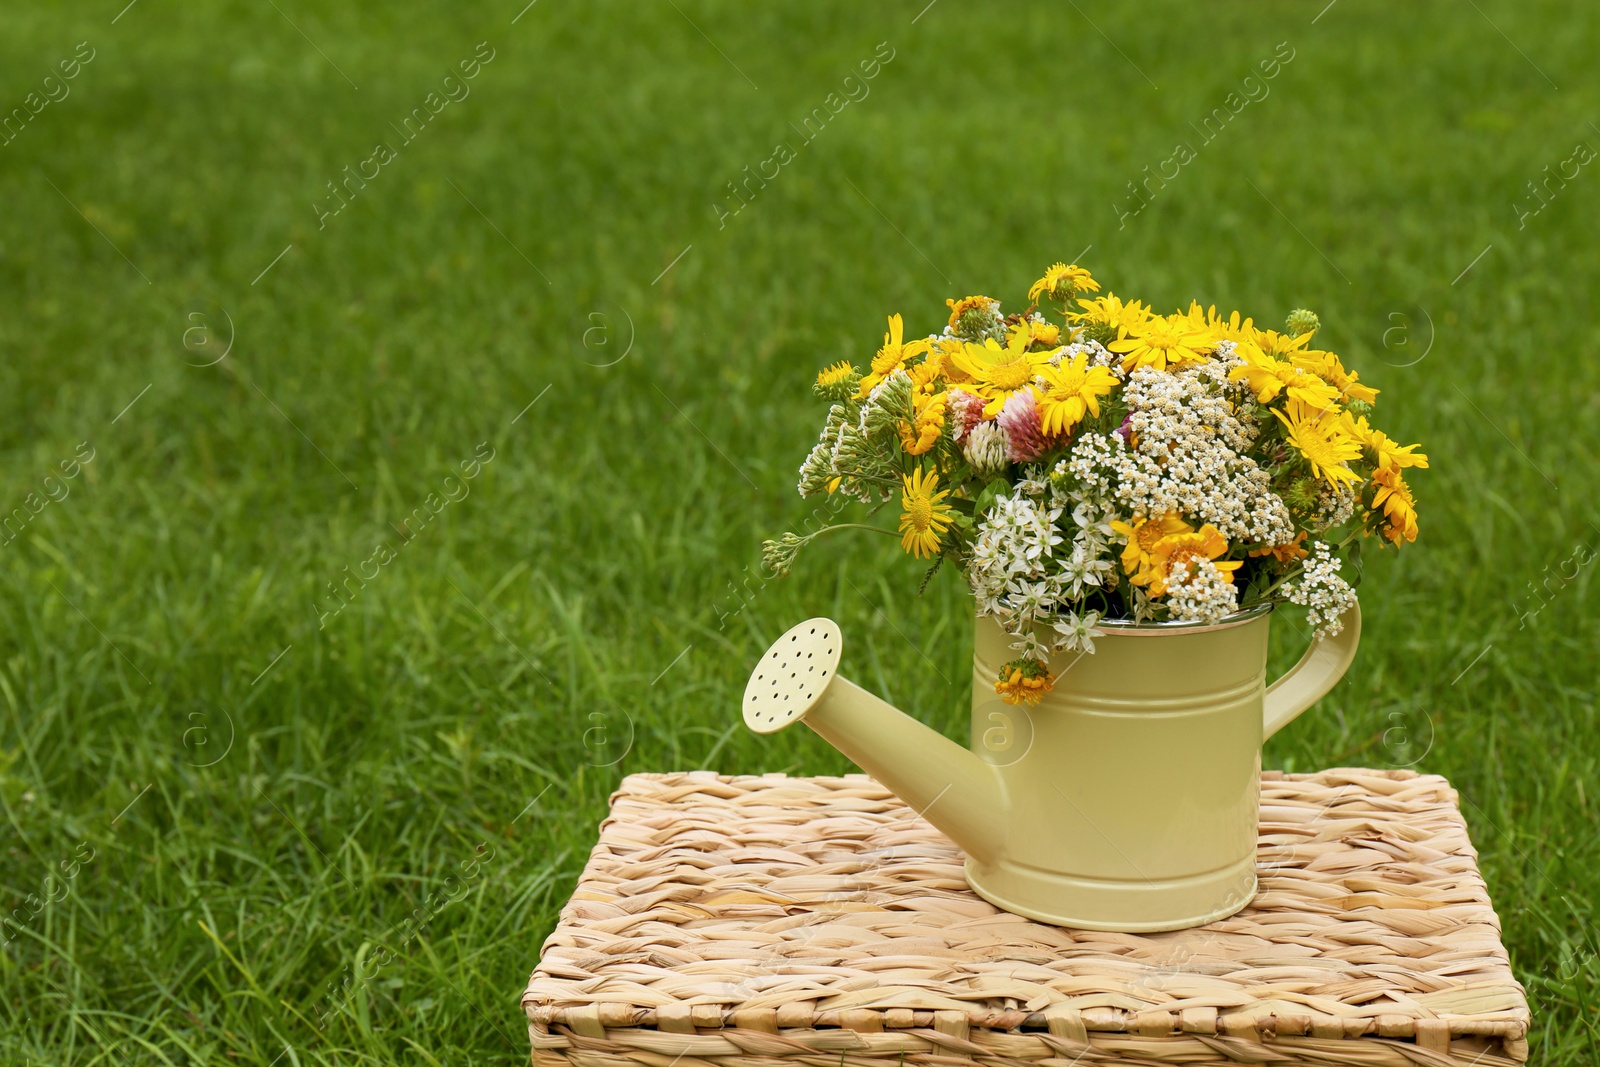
[(1318, 671)]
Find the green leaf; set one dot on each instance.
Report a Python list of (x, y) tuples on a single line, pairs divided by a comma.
[(990, 491)]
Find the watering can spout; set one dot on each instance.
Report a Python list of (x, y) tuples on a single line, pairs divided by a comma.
[(797, 679)]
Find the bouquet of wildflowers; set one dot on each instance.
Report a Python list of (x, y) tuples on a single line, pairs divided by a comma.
[(1090, 459)]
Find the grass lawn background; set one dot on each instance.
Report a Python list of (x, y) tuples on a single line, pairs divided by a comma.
[(252, 794)]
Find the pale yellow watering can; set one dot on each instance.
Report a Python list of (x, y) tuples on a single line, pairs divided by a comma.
[(1125, 800)]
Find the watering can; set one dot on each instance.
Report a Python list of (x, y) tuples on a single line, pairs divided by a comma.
[(1125, 800)]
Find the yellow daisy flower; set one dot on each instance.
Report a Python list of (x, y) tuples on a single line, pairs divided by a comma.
[(945, 348), (1326, 366), (1323, 441), (1024, 681), (1071, 390), (960, 307), (1210, 321), (1268, 377), (894, 352), (922, 432), (1174, 552), (829, 377), (1138, 558), (926, 373), (1261, 374), (1399, 506), (1278, 345), (1284, 553), (1039, 332), (998, 372), (1162, 342), (1110, 311), (924, 517), (1391, 456), (1062, 282)]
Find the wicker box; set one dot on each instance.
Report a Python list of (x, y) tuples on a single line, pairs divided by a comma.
[(765, 921)]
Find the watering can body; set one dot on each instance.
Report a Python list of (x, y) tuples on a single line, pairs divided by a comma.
[(1126, 799)]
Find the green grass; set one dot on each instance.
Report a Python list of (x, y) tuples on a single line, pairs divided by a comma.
[(290, 793)]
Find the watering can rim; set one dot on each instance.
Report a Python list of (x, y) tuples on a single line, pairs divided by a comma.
[(1150, 629)]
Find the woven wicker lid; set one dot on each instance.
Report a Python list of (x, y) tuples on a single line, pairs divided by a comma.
[(714, 908)]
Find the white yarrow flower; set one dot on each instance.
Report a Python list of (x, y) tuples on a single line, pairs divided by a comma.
[(1320, 589)]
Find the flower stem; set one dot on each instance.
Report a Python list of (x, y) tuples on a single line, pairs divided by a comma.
[(851, 526)]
